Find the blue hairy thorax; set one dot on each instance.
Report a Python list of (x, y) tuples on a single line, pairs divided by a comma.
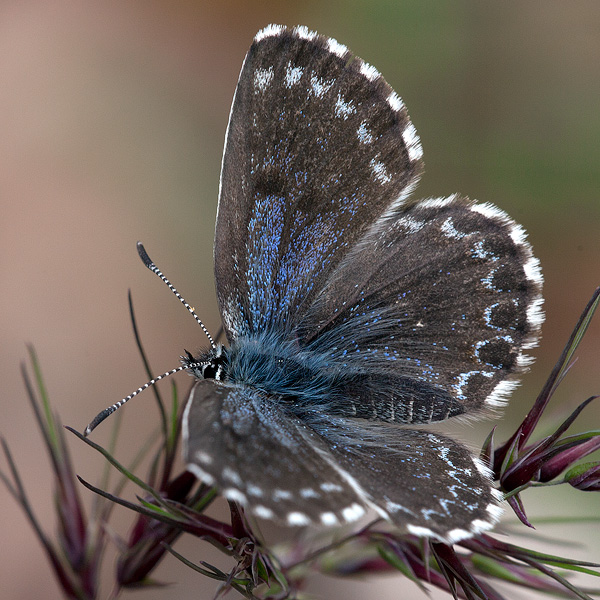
[(316, 380), (299, 379)]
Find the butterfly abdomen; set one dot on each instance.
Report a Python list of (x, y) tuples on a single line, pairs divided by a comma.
[(312, 383)]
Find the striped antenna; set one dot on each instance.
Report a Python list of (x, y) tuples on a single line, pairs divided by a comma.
[(188, 365), (148, 262), (111, 409)]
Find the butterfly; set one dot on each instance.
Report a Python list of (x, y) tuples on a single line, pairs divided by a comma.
[(355, 316)]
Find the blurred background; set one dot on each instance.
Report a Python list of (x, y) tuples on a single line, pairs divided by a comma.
[(112, 120)]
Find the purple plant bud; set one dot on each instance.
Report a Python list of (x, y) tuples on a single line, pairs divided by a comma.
[(567, 457)]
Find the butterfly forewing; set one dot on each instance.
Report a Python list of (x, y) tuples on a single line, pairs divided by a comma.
[(318, 147), (241, 441)]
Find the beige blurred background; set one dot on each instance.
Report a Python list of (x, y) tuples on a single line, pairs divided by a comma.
[(112, 119)]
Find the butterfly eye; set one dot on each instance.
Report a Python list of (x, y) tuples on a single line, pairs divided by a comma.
[(213, 370)]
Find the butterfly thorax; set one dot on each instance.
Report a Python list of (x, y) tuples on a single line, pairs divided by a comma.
[(306, 381), (278, 368)]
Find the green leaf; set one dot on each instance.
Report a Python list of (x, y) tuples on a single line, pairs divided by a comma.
[(395, 561), (493, 568)]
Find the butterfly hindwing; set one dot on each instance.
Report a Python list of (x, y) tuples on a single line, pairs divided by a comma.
[(435, 306), (421, 481), (329, 473)]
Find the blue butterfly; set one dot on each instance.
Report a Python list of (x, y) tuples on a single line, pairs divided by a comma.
[(354, 315)]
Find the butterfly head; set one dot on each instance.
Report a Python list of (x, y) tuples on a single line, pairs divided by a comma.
[(210, 365)]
